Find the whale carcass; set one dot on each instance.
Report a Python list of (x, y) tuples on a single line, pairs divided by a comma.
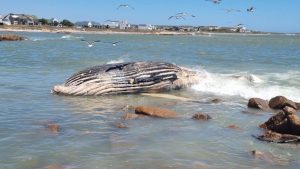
[(125, 78)]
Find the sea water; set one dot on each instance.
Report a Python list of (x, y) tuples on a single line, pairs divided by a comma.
[(232, 68)]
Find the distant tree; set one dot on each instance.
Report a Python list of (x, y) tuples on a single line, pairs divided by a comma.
[(66, 22), (44, 21)]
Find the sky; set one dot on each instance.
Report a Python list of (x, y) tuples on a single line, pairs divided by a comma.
[(269, 15)]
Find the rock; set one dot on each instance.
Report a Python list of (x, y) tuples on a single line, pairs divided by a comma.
[(53, 128), (280, 102), (155, 112), (128, 116), (289, 111), (11, 38), (216, 100), (121, 125), (201, 116), (258, 103), (268, 157), (271, 136), (284, 122), (294, 124), (298, 105), (234, 127), (277, 123)]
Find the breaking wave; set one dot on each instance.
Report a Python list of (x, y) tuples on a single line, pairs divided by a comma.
[(249, 85)]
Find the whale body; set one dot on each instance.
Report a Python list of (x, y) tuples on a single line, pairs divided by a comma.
[(126, 78)]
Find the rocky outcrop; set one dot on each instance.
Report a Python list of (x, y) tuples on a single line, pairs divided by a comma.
[(11, 38), (271, 136), (284, 127), (201, 116), (155, 112), (279, 102), (258, 103)]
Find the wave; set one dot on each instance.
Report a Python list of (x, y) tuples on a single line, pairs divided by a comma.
[(70, 37), (245, 86)]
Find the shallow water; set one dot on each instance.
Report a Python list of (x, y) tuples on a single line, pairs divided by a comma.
[(232, 68)]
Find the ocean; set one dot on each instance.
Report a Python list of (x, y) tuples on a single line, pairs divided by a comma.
[(232, 68)]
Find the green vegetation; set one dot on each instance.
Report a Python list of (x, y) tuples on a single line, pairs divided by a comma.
[(66, 22)]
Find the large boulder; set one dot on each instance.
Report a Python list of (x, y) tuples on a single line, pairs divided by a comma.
[(285, 121), (155, 112), (280, 102), (11, 38), (258, 103)]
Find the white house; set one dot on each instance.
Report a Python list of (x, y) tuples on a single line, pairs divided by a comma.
[(146, 27), (90, 24), (124, 25)]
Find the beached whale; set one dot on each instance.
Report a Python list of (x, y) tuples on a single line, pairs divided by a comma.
[(125, 78)]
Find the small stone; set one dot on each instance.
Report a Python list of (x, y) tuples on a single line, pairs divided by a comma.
[(201, 116), (216, 100), (121, 125), (53, 128), (258, 103), (280, 102), (155, 112), (234, 127)]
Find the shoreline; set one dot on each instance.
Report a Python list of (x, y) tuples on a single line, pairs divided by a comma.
[(117, 32)]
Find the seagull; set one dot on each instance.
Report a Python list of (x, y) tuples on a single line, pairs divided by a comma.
[(215, 1), (124, 5), (113, 43), (176, 17), (251, 9), (111, 21), (232, 10), (185, 14), (90, 44)]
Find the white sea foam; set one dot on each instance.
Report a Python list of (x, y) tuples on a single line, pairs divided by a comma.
[(70, 37), (245, 85)]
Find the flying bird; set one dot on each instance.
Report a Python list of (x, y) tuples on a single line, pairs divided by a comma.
[(176, 17), (185, 14), (113, 43), (251, 9), (125, 6), (111, 21), (90, 44), (215, 1)]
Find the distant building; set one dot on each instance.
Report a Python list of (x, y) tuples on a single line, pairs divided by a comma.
[(19, 19), (89, 24), (124, 25), (146, 27), (54, 21)]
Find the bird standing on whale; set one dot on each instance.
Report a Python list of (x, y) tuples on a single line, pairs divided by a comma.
[(126, 78)]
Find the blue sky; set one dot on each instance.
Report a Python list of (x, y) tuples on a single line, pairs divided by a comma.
[(270, 15)]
